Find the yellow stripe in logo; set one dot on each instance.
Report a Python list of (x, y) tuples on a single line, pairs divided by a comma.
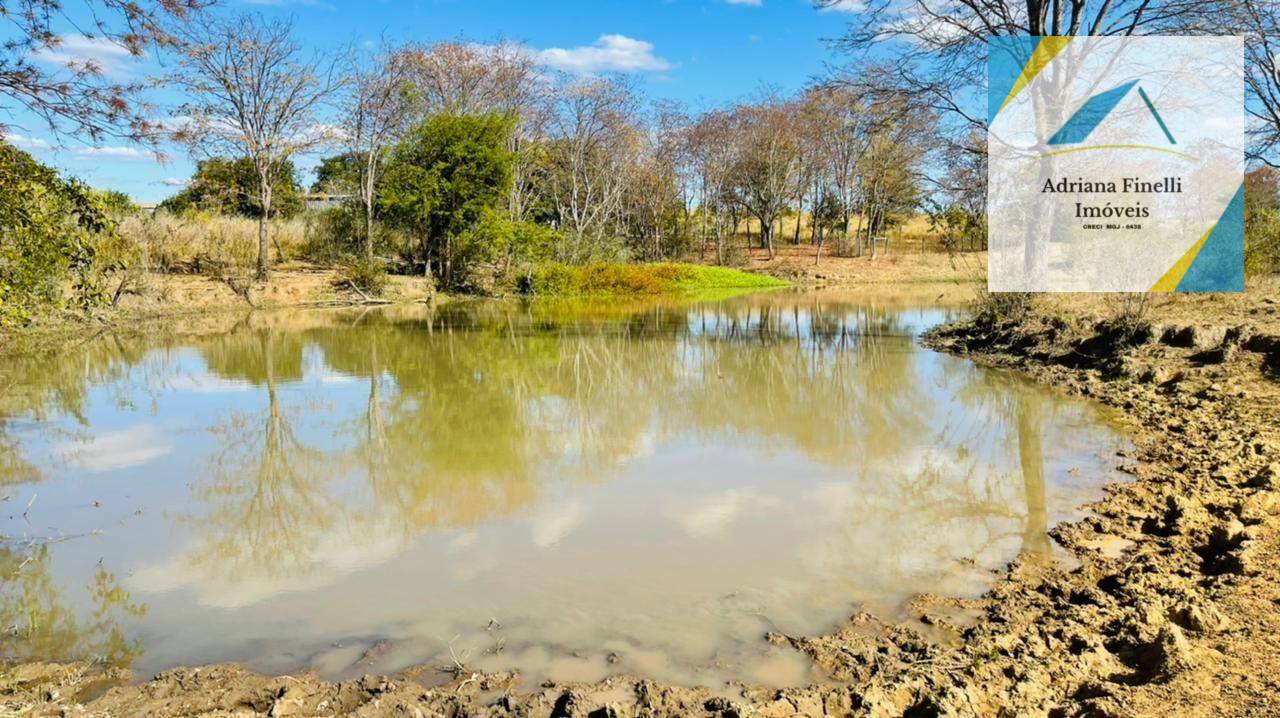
[(1169, 282), (1117, 147), (1046, 50)]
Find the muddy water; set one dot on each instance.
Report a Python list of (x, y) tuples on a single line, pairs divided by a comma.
[(568, 489)]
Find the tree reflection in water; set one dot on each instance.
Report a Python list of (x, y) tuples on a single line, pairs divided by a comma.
[(41, 623), (353, 438)]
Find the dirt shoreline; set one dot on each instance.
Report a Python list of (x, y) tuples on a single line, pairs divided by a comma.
[(166, 300), (1171, 607)]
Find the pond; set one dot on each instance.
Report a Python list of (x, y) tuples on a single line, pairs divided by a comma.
[(570, 489)]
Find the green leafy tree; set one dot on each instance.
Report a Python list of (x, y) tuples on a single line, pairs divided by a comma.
[(227, 186), (508, 244), (336, 175), (49, 228), (440, 181), (116, 203)]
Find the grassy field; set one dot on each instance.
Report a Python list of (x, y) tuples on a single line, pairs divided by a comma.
[(610, 279)]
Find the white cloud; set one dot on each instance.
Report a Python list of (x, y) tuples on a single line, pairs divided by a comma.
[(123, 449), (25, 142), (709, 517), (611, 53), (175, 182), (549, 525), (119, 152), (846, 6), (323, 132), (224, 582), (112, 153), (79, 52)]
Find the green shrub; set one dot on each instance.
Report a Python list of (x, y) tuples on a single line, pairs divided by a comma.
[(230, 187), (332, 233), (116, 266), (444, 177), (48, 231), (509, 248), (368, 276), (115, 203)]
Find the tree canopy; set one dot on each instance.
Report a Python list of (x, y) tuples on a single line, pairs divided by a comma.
[(230, 186), (49, 226), (79, 97), (441, 179)]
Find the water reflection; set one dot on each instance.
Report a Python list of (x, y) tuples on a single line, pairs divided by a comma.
[(565, 488), (40, 622)]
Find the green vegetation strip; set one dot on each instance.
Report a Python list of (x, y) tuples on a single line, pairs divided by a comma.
[(596, 279)]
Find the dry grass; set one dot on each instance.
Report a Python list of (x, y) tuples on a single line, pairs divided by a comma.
[(205, 243), (914, 235)]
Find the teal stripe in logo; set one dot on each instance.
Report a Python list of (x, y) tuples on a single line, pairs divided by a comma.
[(1006, 56), (1163, 127), (1090, 115), (1219, 267)]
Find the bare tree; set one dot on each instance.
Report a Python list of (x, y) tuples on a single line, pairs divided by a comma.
[(591, 140), (456, 78), (75, 95), (835, 128), (1260, 23), (253, 95), (672, 126), (374, 112), (767, 171), (713, 156), (939, 46)]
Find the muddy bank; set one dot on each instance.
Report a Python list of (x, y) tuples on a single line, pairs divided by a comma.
[(1169, 606), (795, 264), (162, 301), (1175, 609)]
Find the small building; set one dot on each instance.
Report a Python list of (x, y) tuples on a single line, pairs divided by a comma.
[(323, 200)]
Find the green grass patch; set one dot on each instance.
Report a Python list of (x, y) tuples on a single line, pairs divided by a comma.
[(612, 279)]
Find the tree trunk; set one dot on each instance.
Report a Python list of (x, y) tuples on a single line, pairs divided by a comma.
[(263, 259), (367, 192), (368, 230), (799, 218), (448, 261)]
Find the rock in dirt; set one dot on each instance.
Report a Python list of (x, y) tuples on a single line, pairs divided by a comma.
[(1194, 337), (1259, 507), (1268, 479), (1199, 616), (1174, 651)]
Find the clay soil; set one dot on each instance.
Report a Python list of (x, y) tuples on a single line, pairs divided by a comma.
[(1168, 603), (903, 265)]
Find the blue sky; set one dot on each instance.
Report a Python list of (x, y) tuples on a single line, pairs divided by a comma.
[(700, 52)]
